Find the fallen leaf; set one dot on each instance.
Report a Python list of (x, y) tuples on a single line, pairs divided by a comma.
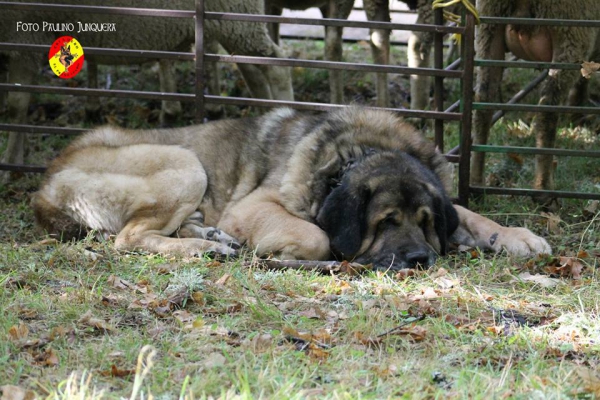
[(119, 283), (223, 280), (183, 316), (118, 373), (368, 340), (96, 323), (11, 392), (259, 343), (47, 358), (312, 313), (553, 222), (542, 280), (18, 332)]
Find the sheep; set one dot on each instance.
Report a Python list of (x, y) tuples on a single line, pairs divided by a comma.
[(138, 32), (533, 43)]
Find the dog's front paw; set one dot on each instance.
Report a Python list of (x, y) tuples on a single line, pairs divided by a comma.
[(521, 242)]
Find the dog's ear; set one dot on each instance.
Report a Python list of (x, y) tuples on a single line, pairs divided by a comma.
[(446, 220), (343, 217)]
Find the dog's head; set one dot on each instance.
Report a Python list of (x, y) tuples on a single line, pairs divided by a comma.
[(389, 210)]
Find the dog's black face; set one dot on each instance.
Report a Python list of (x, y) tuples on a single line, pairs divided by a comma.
[(389, 210)]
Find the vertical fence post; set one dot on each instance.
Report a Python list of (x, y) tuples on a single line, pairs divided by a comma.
[(466, 107), (438, 89), (199, 49)]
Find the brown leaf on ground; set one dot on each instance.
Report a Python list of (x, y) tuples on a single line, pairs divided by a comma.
[(183, 316), (553, 222), (11, 392), (542, 280), (47, 358), (368, 340), (405, 273), (27, 313), (223, 280), (229, 309), (313, 313), (415, 332), (96, 323), (570, 266), (317, 353), (119, 283), (115, 372), (18, 332), (259, 343)]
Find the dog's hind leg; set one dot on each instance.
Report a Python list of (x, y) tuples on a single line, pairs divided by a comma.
[(145, 232), (193, 227)]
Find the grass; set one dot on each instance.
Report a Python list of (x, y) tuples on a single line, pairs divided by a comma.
[(76, 318)]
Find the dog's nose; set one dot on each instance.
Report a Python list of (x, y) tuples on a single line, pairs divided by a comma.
[(419, 257)]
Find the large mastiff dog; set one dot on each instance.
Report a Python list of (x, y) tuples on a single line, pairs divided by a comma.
[(355, 183)]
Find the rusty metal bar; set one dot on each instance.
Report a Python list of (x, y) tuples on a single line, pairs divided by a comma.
[(244, 101), (536, 21), (199, 53), (220, 16), (289, 62), (534, 192), (535, 150), (38, 169), (527, 64), (455, 64), (466, 107), (149, 12), (344, 40), (133, 94), (41, 129), (438, 86), (97, 51), (535, 108)]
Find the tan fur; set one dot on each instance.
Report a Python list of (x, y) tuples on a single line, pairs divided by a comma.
[(261, 180)]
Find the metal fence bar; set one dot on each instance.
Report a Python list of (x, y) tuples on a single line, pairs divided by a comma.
[(289, 62), (324, 107), (535, 150), (148, 12), (534, 192), (41, 129), (438, 91), (466, 107), (199, 50), (37, 169), (540, 22), (97, 51), (220, 16), (535, 108), (526, 64), (134, 94)]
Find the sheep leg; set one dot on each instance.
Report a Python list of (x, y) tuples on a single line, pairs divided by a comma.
[(92, 104), (170, 110), (419, 56), (256, 80), (17, 104), (490, 45), (553, 92), (379, 10), (339, 9), (211, 79)]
